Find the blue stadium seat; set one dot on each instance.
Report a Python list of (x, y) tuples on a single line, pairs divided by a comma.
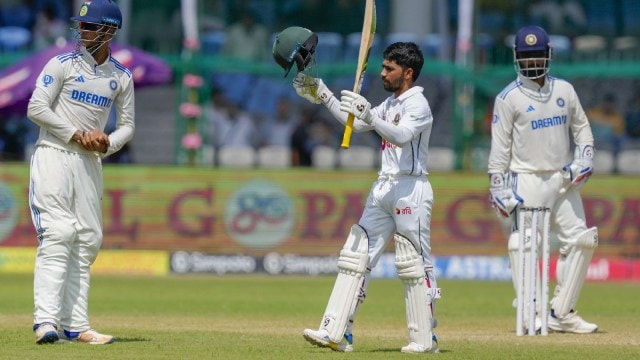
[(561, 46), (16, 15), (402, 36), (235, 86), (352, 47), (212, 42), (264, 95), (601, 17), (432, 43), (630, 10), (14, 38), (329, 49)]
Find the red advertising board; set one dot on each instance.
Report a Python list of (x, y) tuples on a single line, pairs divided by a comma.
[(298, 211)]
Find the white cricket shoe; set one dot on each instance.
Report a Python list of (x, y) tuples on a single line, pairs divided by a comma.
[(91, 337), (46, 333), (321, 338), (572, 323), (415, 348)]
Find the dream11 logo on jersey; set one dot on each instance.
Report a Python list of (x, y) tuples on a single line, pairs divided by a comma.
[(259, 215), (8, 212)]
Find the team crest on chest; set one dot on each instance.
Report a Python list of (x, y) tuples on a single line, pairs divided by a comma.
[(396, 119), (113, 84), (560, 102)]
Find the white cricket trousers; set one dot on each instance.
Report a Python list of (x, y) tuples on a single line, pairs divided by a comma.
[(65, 194), (401, 204)]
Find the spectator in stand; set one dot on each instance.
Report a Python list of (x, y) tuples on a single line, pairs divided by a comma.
[(607, 123), (247, 39), (311, 131), (632, 118), (13, 133), (559, 17), (232, 126), (277, 130), (49, 29)]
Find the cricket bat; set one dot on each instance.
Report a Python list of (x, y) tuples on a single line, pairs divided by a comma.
[(368, 31)]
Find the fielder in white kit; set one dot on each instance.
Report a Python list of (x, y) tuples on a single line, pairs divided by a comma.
[(531, 164), (71, 103), (399, 204)]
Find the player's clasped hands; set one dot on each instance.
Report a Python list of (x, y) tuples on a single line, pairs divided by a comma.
[(94, 140)]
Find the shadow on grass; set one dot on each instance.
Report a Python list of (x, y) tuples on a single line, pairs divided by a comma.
[(396, 350), (126, 340)]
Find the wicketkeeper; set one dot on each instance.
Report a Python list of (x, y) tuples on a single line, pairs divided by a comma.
[(531, 164), (401, 199)]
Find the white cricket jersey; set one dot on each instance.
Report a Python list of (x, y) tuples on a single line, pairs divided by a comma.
[(404, 123), (409, 111), (531, 125), (73, 92)]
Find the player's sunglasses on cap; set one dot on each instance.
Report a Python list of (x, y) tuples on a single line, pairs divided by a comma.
[(90, 26)]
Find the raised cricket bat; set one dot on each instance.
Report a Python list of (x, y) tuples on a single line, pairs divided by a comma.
[(368, 31)]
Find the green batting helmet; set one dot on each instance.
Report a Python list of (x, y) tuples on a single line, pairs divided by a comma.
[(294, 44)]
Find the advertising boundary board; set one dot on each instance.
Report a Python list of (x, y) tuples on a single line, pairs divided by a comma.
[(298, 211)]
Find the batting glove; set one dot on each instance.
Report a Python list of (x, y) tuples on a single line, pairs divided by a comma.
[(356, 104), (312, 89), (577, 172), (503, 198)]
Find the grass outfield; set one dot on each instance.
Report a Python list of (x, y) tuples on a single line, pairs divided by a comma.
[(262, 317)]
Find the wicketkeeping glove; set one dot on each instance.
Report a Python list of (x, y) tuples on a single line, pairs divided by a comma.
[(577, 172), (355, 104), (503, 198), (312, 89)]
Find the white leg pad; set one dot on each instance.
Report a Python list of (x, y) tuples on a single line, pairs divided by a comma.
[(417, 295), (572, 271), (350, 284)]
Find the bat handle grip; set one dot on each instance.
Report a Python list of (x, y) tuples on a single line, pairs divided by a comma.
[(348, 129)]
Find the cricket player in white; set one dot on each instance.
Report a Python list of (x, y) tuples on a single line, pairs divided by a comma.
[(531, 164), (71, 103), (399, 204)]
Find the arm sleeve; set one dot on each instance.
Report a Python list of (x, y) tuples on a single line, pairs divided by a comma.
[(125, 125), (416, 117), (580, 127), (501, 137), (48, 86)]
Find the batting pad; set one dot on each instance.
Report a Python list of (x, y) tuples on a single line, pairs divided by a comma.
[(572, 271), (417, 295), (352, 266)]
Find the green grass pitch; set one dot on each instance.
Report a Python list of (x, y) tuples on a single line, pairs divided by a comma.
[(262, 317)]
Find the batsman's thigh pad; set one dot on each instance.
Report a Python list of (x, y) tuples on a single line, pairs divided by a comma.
[(352, 267), (418, 296), (572, 271)]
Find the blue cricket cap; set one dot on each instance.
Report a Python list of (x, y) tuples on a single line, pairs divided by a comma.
[(531, 38)]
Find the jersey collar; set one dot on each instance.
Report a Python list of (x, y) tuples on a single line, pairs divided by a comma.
[(532, 85), (410, 92)]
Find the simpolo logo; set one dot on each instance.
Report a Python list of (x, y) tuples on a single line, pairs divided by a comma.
[(259, 215), (8, 212)]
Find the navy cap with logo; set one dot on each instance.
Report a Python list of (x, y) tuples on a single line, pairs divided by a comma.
[(104, 12), (531, 38)]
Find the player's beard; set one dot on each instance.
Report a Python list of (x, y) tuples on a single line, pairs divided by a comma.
[(393, 86)]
